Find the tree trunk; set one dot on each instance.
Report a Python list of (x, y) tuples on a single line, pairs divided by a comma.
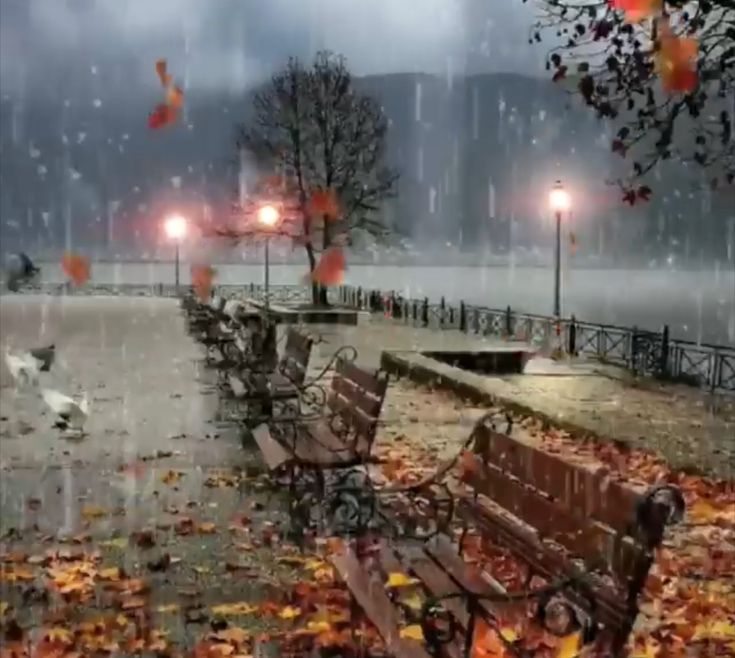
[(315, 287)]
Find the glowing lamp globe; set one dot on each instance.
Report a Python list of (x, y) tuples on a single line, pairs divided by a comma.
[(559, 199), (175, 227), (268, 215)]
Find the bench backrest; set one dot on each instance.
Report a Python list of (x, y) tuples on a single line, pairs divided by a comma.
[(357, 395), (582, 512), (295, 360)]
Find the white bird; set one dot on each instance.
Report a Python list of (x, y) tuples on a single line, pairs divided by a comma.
[(72, 414), (24, 368)]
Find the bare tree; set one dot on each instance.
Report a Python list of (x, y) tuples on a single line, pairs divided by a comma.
[(617, 62), (313, 127)]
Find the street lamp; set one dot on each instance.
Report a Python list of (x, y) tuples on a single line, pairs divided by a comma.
[(268, 216), (176, 228), (560, 201)]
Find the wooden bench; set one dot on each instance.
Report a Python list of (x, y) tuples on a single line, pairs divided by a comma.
[(343, 437), (557, 523)]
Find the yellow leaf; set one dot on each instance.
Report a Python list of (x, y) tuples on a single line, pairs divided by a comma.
[(171, 477), (510, 635), (233, 609), (112, 573), (289, 612), (412, 601), (167, 609), (90, 512), (650, 649), (318, 626), (324, 575), (398, 579), (59, 634), (568, 646), (207, 528), (292, 560), (202, 570), (719, 629), (117, 542), (412, 632), (234, 635)]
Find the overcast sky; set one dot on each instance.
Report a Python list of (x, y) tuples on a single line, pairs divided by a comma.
[(227, 43)]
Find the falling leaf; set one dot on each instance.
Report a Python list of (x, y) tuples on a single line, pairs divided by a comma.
[(412, 632), (638, 10), (163, 115), (398, 579), (168, 609), (330, 269), (234, 609), (677, 60), (289, 612), (161, 70), (175, 97), (202, 279), (323, 203), (76, 268)]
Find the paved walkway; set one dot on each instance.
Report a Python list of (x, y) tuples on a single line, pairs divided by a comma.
[(687, 427)]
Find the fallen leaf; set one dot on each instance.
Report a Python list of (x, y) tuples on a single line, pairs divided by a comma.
[(117, 542), (398, 579), (234, 609), (168, 609), (568, 646), (110, 574), (171, 477), (132, 603), (289, 612), (412, 601), (412, 632), (207, 528)]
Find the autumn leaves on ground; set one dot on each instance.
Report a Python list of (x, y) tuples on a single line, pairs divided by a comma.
[(217, 576)]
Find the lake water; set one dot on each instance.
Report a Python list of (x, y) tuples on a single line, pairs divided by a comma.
[(698, 306)]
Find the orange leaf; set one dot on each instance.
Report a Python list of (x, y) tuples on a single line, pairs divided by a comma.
[(76, 268), (161, 70), (202, 278), (638, 10), (175, 97), (163, 115), (677, 60), (324, 203), (330, 269)]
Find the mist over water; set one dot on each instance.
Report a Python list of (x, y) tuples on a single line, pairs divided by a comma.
[(697, 306)]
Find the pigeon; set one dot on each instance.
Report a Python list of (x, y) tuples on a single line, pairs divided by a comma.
[(24, 368), (46, 356), (71, 414)]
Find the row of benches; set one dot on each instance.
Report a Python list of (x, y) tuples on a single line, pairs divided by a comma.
[(587, 539)]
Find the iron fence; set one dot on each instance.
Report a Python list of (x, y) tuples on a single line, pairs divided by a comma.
[(647, 353)]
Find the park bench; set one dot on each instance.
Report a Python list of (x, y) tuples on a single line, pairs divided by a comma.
[(588, 539), (247, 382), (325, 455)]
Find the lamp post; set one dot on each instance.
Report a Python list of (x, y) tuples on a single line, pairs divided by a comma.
[(268, 216), (176, 228), (560, 202)]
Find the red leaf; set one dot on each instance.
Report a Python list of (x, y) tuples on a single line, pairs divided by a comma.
[(175, 97), (629, 197), (619, 147), (163, 115), (330, 269), (644, 193), (324, 203)]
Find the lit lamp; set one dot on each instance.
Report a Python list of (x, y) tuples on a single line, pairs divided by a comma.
[(268, 217), (176, 229), (560, 202)]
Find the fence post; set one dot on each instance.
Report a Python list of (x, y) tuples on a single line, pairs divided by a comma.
[(393, 313), (359, 298), (415, 311), (462, 317), (572, 337), (425, 312), (252, 290), (508, 322), (442, 307), (664, 363)]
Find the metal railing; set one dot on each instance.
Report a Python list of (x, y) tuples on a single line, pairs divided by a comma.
[(647, 353)]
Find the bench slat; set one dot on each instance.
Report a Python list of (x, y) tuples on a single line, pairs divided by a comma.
[(582, 492), (375, 383), (357, 396), (595, 543), (371, 597), (364, 425)]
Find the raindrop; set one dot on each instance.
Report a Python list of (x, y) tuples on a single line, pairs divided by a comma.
[(93, 69), (418, 101), (97, 102), (64, 140), (432, 200), (176, 181), (126, 137)]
